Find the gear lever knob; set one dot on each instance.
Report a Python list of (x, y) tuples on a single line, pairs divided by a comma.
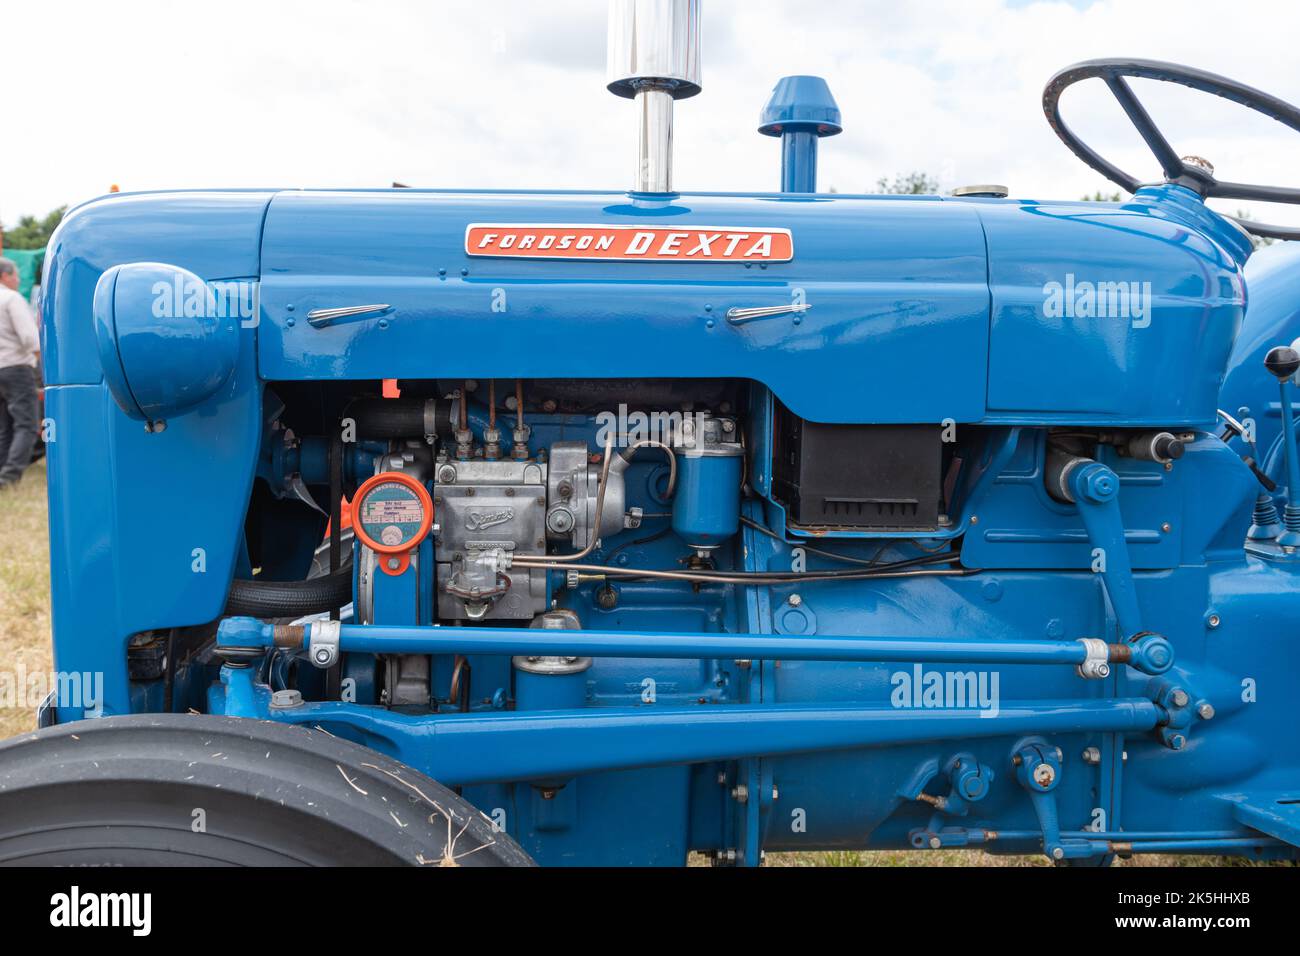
[(1283, 361)]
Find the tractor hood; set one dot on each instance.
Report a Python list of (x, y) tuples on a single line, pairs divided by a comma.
[(918, 309)]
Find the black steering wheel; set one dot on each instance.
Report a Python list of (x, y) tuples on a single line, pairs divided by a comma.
[(1190, 171)]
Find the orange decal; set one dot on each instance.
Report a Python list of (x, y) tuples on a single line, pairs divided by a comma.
[(629, 243)]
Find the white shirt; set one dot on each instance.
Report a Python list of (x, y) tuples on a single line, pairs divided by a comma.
[(19, 339)]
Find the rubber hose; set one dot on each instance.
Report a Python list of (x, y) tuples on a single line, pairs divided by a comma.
[(379, 418), (265, 599)]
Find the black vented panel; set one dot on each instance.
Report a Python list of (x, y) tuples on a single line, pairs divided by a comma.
[(864, 477)]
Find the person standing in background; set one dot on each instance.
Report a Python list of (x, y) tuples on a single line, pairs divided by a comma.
[(20, 349)]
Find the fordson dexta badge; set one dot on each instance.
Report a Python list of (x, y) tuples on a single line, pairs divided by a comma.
[(629, 243)]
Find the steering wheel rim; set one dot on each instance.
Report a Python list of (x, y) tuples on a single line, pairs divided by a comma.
[(1114, 73)]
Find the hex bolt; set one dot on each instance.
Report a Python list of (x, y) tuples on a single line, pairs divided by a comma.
[(740, 793), (286, 699), (1058, 853), (1179, 697), (935, 843), (322, 655), (1092, 755), (776, 794), (1177, 741), (1205, 710), (743, 664), (795, 600)]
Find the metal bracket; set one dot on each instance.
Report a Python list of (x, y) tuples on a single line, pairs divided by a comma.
[(1095, 664), (1094, 489), (324, 643)]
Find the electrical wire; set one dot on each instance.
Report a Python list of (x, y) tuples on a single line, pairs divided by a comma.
[(754, 579), (847, 559), (923, 566)]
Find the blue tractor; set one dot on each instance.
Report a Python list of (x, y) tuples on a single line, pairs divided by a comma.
[(710, 523)]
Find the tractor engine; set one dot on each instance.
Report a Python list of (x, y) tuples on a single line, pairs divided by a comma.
[(648, 523)]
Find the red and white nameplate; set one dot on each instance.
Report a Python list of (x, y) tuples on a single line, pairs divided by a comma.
[(629, 243)]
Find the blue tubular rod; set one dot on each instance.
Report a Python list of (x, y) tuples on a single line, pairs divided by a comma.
[(1140, 842), (385, 639), (799, 161), (1197, 846), (1142, 836), (459, 749), (1289, 446)]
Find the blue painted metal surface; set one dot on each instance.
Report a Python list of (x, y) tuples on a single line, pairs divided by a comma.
[(800, 111), (800, 713), (164, 344), (706, 507)]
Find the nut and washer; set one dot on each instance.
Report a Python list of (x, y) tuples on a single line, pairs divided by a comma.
[(286, 699)]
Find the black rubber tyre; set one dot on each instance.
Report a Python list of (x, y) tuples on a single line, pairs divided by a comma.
[(186, 790)]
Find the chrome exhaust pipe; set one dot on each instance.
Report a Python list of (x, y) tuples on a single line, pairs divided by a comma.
[(654, 58)]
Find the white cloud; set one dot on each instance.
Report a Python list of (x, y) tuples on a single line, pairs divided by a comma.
[(152, 94)]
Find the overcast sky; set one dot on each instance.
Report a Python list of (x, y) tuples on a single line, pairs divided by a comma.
[(498, 93)]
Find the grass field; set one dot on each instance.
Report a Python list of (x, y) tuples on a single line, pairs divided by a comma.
[(24, 589), (25, 646)]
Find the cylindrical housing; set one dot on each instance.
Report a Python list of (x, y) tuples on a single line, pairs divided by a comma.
[(548, 682), (654, 173), (798, 161), (801, 110), (706, 507), (656, 41), (654, 57)]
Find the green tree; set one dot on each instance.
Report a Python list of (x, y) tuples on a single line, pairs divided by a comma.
[(33, 233), (1099, 196), (909, 184)]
